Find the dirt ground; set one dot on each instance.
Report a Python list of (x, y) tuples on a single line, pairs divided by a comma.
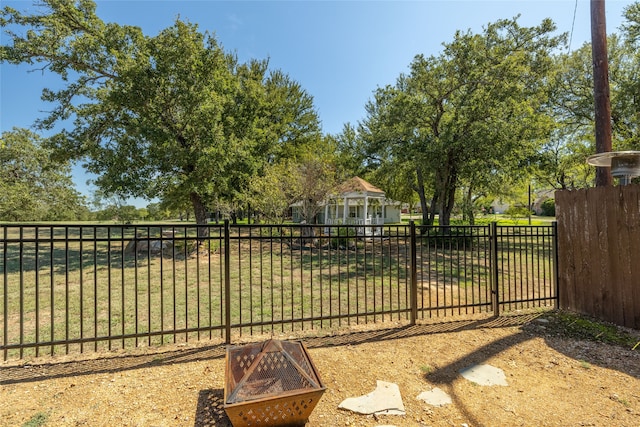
[(553, 379)]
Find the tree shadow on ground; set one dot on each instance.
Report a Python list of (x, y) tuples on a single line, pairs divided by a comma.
[(90, 364), (557, 338), (97, 363), (210, 406), (446, 375)]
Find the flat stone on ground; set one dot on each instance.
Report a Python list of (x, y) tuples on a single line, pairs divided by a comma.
[(485, 375), (384, 400), (435, 397)]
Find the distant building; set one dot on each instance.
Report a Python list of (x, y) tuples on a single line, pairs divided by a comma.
[(356, 202)]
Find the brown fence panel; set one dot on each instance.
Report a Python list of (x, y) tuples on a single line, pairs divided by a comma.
[(599, 252)]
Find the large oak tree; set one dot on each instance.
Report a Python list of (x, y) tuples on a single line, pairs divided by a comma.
[(471, 116), (173, 117)]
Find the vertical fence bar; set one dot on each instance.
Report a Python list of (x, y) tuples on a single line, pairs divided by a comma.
[(493, 249), (413, 272), (37, 284), (365, 270), (51, 284), (135, 284), (123, 317), (555, 282), (227, 282), (198, 278), (357, 281), (66, 288), (271, 277), (5, 295), (185, 254), (303, 251), (339, 266), (261, 245), (173, 283), (81, 284), (21, 263), (251, 278), (209, 288), (161, 230), (374, 275), (330, 275), (109, 290), (148, 251), (95, 288)]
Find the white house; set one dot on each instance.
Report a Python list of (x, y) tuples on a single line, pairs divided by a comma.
[(357, 202)]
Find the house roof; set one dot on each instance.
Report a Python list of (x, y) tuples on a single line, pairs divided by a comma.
[(357, 185)]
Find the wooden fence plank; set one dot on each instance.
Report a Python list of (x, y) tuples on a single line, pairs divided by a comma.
[(599, 252)]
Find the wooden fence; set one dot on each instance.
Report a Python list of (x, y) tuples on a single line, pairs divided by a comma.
[(599, 252)]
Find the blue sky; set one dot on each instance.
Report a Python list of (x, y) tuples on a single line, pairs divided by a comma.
[(339, 51)]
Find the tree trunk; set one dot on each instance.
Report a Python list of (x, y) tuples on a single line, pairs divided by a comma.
[(423, 197), (468, 206), (433, 210), (448, 193), (200, 211)]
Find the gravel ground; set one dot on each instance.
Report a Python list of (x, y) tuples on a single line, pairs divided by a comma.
[(554, 378)]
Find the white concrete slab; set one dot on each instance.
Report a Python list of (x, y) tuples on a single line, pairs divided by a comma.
[(485, 375), (384, 400), (435, 397)]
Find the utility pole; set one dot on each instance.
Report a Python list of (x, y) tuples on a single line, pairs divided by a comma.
[(601, 87)]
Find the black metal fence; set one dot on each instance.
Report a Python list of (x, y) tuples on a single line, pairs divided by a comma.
[(77, 288)]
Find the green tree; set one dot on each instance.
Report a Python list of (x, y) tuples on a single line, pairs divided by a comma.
[(268, 192), (34, 187), (173, 116), (306, 179), (157, 212), (470, 115), (314, 178), (562, 162)]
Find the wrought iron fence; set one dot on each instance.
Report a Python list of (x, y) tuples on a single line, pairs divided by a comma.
[(70, 288)]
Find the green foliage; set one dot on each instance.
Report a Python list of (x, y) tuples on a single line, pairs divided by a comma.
[(548, 207), (583, 327), (269, 194), (37, 420), (562, 161), (33, 186), (472, 115), (344, 239), (517, 211), (173, 116)]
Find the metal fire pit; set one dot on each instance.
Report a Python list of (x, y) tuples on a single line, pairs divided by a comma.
[(270, 384)]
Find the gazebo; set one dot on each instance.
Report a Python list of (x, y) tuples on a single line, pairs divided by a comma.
[(357, 202)]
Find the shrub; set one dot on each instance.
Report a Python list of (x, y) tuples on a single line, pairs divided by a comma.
[(548, 208)]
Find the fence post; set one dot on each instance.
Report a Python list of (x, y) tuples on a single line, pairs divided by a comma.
[(413, 273), (555, 280), (227, 283), (493, 248), (5, 294)]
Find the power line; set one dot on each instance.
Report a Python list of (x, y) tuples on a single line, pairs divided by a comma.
[(573, 24)]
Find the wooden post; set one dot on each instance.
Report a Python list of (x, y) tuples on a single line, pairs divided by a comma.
[(601, 87)]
